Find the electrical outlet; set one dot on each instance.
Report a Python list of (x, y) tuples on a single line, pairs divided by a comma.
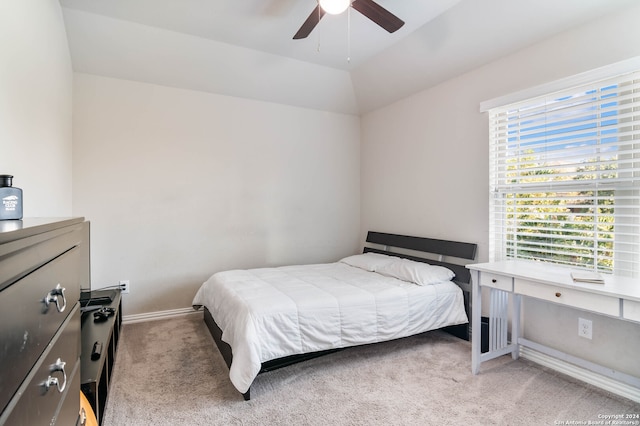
[(585, 328), (124, 286)]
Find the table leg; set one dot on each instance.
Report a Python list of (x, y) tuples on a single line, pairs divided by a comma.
[(515, 326), (476, 323)]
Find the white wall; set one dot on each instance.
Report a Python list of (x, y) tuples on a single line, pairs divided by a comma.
[(35, 105), (425, 165), (180, 184)]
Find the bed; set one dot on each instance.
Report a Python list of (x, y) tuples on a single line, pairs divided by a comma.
[(267, 318)]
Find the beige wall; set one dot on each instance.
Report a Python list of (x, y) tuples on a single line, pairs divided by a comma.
[(180, 184), (35, 104), (425, 165)]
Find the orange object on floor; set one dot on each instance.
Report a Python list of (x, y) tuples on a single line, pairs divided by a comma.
[(87, 416)]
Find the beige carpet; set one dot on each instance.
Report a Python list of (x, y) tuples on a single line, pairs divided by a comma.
[(170, 373)]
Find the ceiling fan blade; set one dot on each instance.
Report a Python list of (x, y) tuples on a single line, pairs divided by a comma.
[(378, 14), (310, 23)]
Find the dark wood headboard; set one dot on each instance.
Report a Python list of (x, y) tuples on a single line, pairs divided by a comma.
[(437, 247)]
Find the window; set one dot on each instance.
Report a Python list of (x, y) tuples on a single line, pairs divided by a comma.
[(565, 177)]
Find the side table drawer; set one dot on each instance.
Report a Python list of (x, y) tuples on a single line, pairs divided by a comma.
[(631, 310), (566, 296), (501, 282)]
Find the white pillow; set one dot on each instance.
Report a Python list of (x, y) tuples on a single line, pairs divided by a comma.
[(368, 261), (416, 272)]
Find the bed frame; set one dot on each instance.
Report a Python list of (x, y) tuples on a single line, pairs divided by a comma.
[(439, 248)]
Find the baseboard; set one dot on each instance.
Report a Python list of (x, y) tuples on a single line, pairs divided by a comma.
[(158, 315), (595, 379)]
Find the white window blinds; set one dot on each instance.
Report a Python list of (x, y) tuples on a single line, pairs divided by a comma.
[(565, 177)]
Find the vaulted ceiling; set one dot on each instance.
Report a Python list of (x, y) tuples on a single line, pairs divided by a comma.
[(348, 64)]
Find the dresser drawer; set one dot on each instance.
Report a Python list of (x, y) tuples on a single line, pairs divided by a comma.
[(500, 282), (34, 403), (21, 257), (28, 323), (566, 296), (631, 310)]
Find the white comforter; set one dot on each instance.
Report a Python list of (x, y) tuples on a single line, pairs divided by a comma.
[(275, 312)]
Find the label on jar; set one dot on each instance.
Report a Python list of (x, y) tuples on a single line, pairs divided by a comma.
[(10, 203)]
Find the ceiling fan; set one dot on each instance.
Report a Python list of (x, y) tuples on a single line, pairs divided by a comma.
[(368, 8)]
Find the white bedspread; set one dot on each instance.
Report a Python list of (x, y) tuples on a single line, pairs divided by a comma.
[(275, 312)]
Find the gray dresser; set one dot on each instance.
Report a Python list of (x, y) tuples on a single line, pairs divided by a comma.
[(43, 265)]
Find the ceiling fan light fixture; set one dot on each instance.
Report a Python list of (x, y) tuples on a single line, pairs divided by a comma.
[(334, 7)]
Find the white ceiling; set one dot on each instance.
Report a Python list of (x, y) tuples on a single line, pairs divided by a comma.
[(245, 47), (269, 25)]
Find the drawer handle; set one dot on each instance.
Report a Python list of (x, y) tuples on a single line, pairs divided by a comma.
[(494, 281), (53, 381), (54, 296), (558, 294)]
